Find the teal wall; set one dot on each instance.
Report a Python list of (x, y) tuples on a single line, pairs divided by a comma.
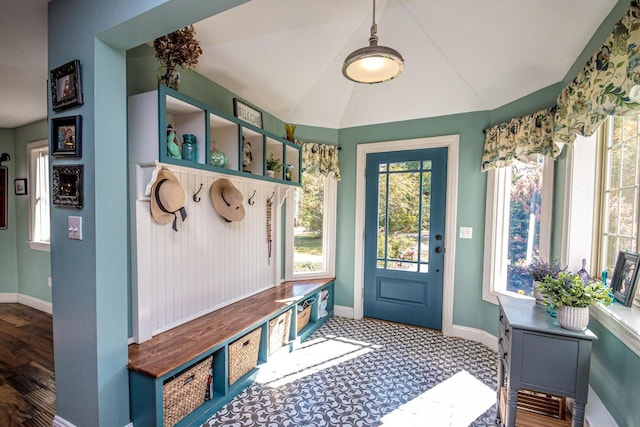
[(614, 376), (9, 260), (24, 271), (34, 266)]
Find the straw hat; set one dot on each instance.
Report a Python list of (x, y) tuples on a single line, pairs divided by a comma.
[(227, 200), (167, 199)]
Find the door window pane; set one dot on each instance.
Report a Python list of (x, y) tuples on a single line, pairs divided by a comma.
[(404, 200)]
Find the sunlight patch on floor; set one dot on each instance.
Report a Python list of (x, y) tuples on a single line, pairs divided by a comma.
[(312, 356), (455, 402)]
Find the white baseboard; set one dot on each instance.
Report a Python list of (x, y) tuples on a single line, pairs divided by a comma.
[(477, 335), (342, 311), (36, 303), (32, 302), (595, 414), (8, 297)]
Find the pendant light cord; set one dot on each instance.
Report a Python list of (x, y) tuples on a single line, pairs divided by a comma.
[(373, 39)]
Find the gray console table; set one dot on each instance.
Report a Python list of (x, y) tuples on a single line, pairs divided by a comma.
[(535, 353)]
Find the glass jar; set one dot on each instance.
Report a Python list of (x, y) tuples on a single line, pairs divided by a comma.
[(217, 158), (190, 147)]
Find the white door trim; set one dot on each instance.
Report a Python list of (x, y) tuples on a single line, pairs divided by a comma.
[(452, 143)]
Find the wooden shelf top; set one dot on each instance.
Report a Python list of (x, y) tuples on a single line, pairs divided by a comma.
[(175, 347)]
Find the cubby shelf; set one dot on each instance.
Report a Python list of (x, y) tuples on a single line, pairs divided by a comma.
[(152, 112), (154, 362)]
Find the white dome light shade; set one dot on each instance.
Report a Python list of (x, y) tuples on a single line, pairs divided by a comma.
[(373, 64)]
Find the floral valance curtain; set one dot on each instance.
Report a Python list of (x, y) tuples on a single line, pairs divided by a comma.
[(518, 139), (608, 84), (320, 158)]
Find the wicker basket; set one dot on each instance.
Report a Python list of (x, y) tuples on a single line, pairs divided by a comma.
[(185, 392), (243, 355), (279, 331), (303, 318)]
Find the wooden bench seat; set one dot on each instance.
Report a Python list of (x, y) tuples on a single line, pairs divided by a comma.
[(180, 345)]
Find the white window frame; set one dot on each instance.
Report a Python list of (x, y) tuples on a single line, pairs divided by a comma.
[(328, 234), (32, 148), (582, 163), (496, 228)]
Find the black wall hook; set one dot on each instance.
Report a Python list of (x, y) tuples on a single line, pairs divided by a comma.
[(195, 196), (251, 201)]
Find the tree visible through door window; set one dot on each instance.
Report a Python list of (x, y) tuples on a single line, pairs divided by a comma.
[(403, 215)]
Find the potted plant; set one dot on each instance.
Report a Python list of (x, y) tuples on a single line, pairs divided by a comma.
[(571, 298), (538, 270), (274, 165)]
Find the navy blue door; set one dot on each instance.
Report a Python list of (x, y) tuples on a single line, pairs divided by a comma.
[(404, 236)]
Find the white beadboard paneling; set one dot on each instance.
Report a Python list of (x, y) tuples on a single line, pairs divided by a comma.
[(208, 263)]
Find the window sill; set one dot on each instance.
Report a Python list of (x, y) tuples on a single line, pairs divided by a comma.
[(623, 322), (40, 246)]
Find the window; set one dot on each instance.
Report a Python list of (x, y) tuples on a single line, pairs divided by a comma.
[(619, 188), (518, 223), (38, 158), (310, 242)]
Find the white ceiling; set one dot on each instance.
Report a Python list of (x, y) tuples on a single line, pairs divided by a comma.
[(285, 56)]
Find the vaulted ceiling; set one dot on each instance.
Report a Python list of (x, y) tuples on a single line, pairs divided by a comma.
[(285, 57)]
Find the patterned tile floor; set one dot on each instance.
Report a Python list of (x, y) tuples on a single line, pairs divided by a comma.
[(370, 373)]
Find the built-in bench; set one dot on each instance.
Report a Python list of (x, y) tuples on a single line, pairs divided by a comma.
[(153, 363)]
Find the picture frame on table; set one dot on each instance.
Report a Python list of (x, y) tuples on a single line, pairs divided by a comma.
[(625, 277), (246, 112), (68, 186), (66, 88), (20, 186), (66, 136)]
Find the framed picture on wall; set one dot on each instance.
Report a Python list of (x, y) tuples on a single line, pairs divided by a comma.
[(3, 197), (67, 186), (66, 136), (20, 186), (625, 277), (66, 89)]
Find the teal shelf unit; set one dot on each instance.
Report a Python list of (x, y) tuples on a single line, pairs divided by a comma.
[(209, 123), (146, 392)]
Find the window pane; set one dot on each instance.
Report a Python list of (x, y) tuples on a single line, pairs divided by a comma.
[(426, 165), (404, 266), (524, 224), (382, 216), (630, 127), (405, 166), (308, 251), (426, 216), (629, 163)]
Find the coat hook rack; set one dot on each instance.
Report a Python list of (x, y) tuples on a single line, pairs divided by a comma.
[(195, 196), (251, 201), (271, 197)]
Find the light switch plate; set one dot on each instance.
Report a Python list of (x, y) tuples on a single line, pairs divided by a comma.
[(466, 232), (74, 227)]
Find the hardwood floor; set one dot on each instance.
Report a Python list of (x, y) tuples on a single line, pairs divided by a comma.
[(27, 387)]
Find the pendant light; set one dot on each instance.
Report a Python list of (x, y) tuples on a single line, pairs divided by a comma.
[(373, 64)]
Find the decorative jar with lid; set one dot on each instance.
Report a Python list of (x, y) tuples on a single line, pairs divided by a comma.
[(189, 147), (217, 158)]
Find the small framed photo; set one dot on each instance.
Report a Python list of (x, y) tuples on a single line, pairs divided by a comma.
[(247, 113), (67, 186), (625, 277), (66, 136), (20, 186), (66, 89)]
